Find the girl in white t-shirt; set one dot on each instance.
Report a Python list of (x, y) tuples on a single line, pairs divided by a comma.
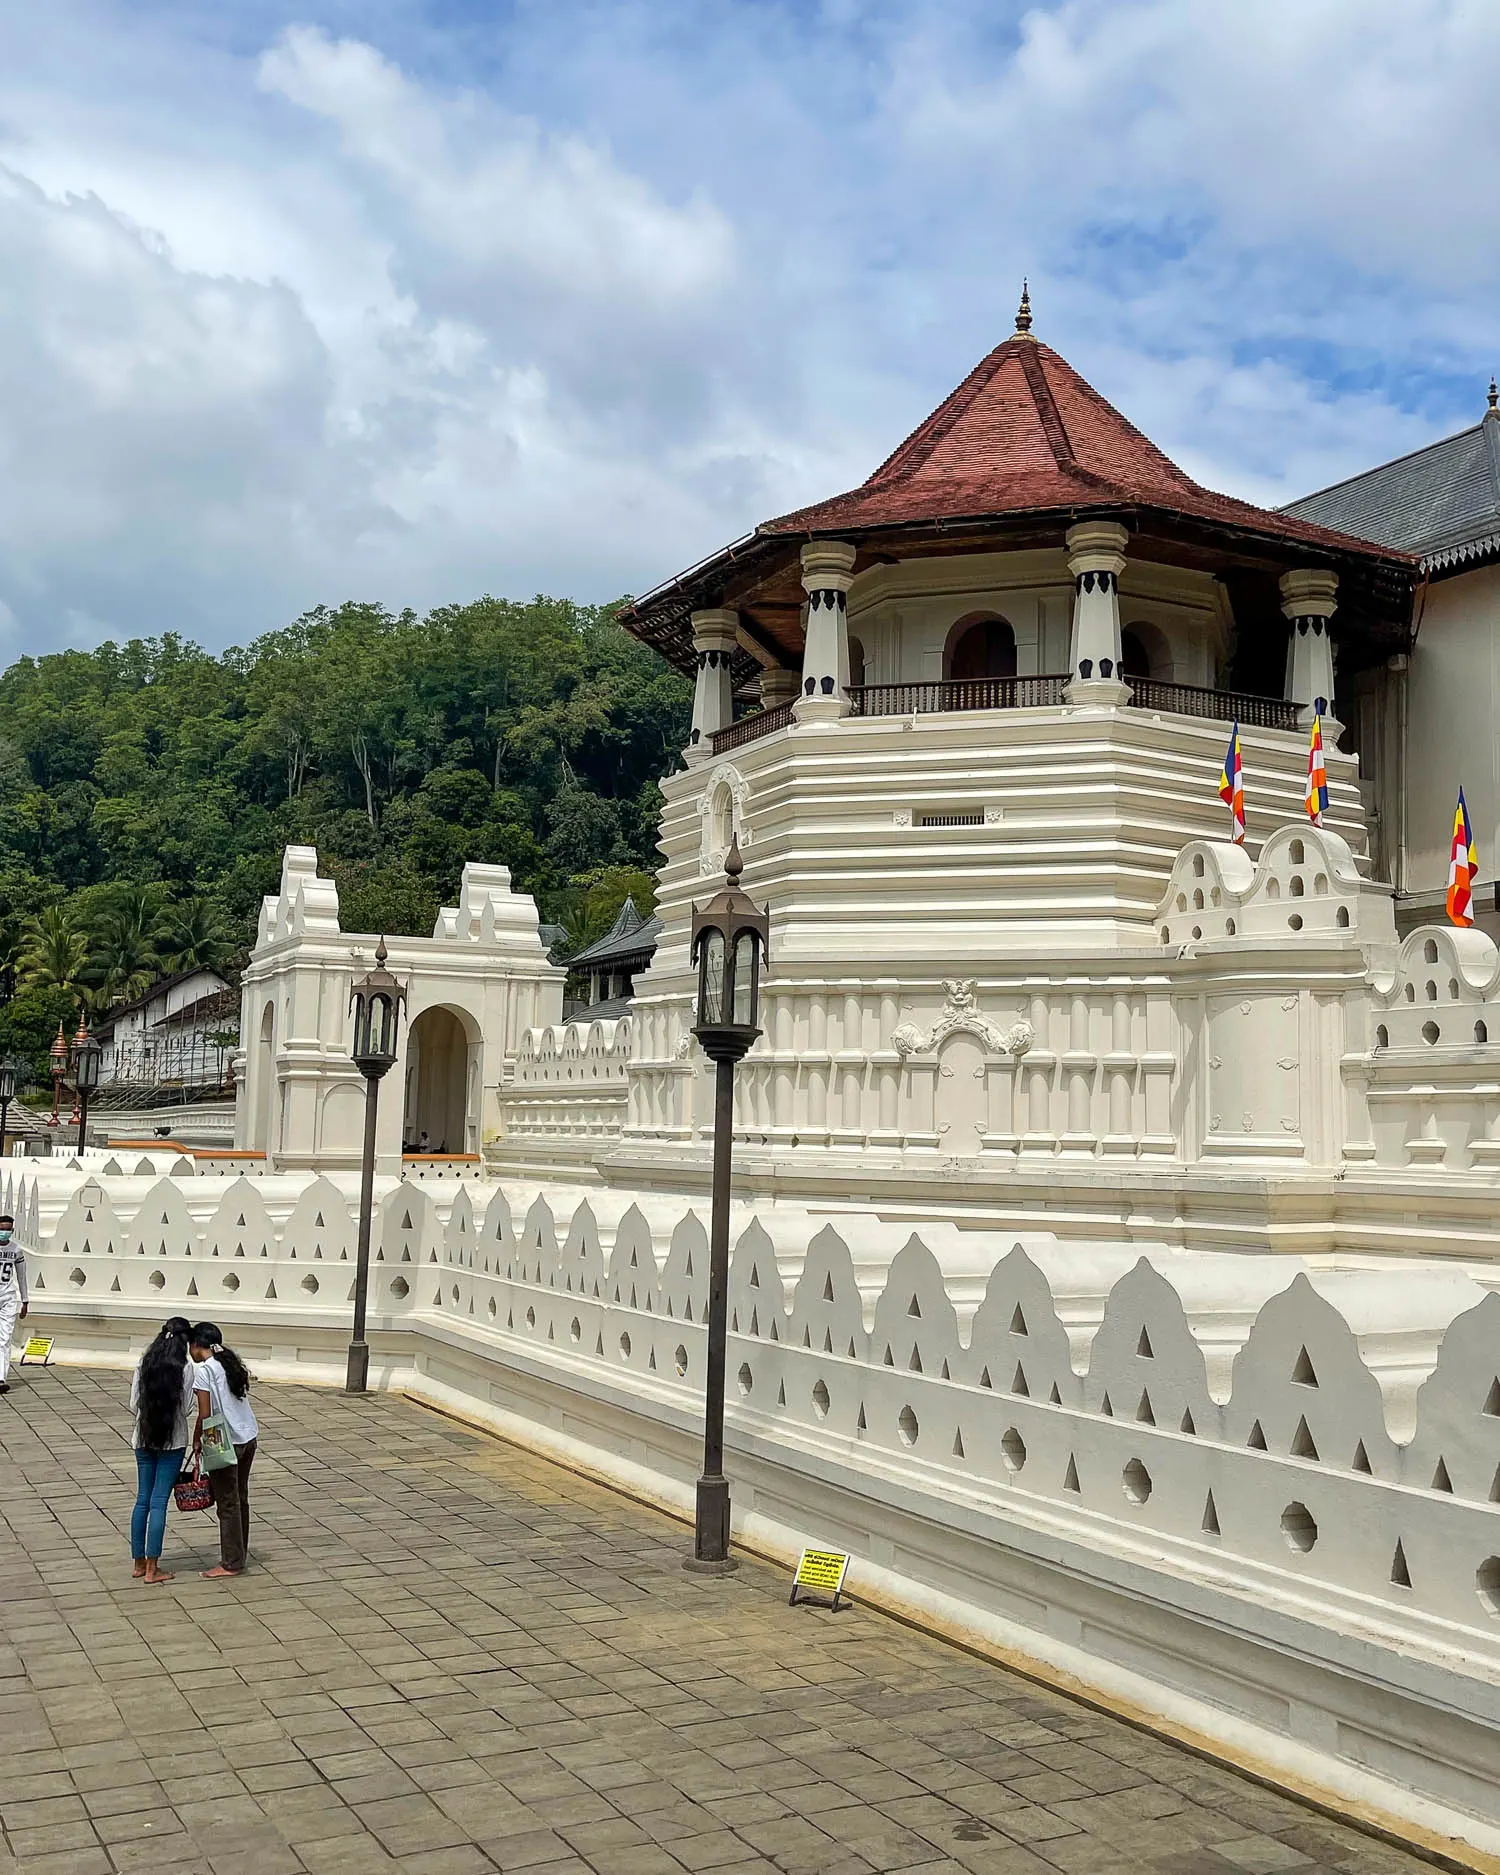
[(161, 1398), (222, 1381)]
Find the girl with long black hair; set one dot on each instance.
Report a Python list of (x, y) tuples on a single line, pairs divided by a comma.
[(161, 1398), (223, 1386)]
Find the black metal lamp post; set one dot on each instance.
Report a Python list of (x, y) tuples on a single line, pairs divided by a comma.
[(7, 1095), (86, 1054), (730, 940), (376, 1001)]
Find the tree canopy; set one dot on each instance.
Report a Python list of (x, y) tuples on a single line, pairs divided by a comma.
[(147, 789)]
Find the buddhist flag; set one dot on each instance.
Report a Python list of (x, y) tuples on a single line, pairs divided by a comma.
[(1463, 863), (1317, 775), (1232, 787)]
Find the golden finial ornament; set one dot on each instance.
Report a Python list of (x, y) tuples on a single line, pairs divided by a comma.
[(1023, 312)]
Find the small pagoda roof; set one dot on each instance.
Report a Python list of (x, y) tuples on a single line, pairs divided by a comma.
[(1020, 451), (630, 935), (1441, 502)]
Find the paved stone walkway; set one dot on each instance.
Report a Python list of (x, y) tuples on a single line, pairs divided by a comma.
[(451, 1656)]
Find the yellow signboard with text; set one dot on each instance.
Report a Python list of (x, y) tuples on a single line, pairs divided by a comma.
[(38, 1348), (820, 1572)]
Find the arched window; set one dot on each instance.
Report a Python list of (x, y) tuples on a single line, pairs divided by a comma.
[(980, 647), (856, 663), (721, 816), (1134, 659)]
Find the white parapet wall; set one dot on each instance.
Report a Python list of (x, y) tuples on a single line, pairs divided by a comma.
[(1256, 1502)]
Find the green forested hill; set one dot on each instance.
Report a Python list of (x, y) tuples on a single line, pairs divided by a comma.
[(147, 789)]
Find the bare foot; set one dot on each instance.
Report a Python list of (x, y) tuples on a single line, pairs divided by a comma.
[(161, 1575), (217, 1573), (138, 1568)]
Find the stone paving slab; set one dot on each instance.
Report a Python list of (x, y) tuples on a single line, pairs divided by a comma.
[(451, 1657)]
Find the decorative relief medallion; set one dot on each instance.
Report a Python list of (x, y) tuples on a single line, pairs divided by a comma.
[(961, 1011)]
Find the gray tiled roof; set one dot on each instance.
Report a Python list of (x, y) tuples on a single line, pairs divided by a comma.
[(1442, 502), (630, 935)]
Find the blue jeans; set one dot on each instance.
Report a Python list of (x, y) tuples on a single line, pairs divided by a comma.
[(155, 1474)]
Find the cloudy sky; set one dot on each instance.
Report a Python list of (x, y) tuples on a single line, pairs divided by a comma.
[(410, 301)]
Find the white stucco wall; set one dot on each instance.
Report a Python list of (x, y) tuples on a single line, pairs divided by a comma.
[(1454, 691)]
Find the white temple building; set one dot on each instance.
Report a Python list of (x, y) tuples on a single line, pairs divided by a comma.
[(1115, 1245)]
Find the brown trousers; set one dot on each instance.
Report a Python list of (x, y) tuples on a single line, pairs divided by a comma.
[(231, 1488)]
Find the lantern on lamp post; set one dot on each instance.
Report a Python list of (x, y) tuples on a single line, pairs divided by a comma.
[(730, 941), (57, 1055), (376, 1001), (7, 1095), (86, 1054)]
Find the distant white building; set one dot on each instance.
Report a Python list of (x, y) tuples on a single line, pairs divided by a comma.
[(168, 1035)]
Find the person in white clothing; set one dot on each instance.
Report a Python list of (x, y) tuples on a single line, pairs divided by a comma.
[(14, 1301), (222, 1381), (14, 1296)]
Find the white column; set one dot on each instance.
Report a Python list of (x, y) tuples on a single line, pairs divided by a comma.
[(715, 635), (827, 575), (1309, 598), (1096, 559), (778, 686)]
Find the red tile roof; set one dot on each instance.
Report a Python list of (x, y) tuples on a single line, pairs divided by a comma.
[(1025, 433), (1023, 437)]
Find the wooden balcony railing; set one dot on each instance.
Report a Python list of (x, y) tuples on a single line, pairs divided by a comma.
[(752, 728), (1221, 706), (961, 693), (1024, 693)]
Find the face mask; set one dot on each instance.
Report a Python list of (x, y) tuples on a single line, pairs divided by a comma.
[(4, 1235)]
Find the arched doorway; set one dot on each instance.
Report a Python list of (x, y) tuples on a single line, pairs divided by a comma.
[(438, 1115), (1133, 659), (856, 664), (978, 648), (1145, 652)]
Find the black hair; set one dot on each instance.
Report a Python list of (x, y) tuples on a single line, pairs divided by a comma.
[(162, 1369), (209, 1335)]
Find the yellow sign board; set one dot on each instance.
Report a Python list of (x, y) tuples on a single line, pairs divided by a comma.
[(820, 1572), (38, 1348)]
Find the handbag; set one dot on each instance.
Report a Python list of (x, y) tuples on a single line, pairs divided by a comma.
[(217, 1445), (192, 1491)]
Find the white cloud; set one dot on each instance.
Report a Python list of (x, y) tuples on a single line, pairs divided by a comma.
[(303, 317)]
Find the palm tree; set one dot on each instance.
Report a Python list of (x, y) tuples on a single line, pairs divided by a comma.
[(196, 937), (127, 935), (54, 950)]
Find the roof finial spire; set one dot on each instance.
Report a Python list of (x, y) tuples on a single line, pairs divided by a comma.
[(1023, 312), (1494, 396)]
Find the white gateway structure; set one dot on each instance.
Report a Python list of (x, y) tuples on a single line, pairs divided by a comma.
[(1114, 1246)]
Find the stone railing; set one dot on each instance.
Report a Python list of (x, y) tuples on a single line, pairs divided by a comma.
[(569, 1082), (1303, 1467), (1345, 1454)]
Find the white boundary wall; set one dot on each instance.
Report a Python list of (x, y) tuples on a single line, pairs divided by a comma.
[(1258, 1501)]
